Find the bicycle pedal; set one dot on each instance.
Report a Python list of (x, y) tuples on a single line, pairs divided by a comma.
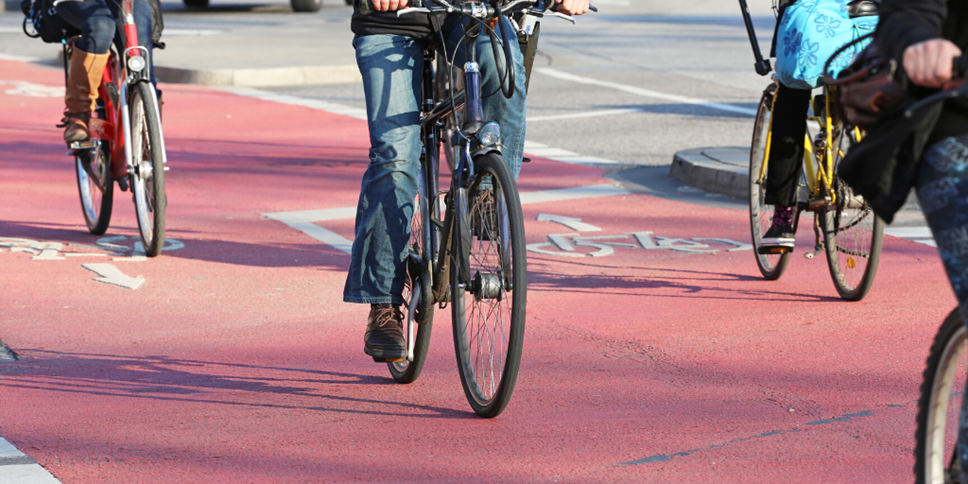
[(82, 145), (387, 360), (774, 250)]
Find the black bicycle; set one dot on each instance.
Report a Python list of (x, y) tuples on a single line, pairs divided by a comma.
[(467, 242)]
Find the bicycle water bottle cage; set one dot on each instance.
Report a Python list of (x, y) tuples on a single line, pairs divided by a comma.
[(863, 8)]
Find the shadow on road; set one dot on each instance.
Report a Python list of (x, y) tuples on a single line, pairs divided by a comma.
[(206, 382)]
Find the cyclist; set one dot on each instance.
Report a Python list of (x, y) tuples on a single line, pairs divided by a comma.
[(924, 36), (389, 54), (789, 126), (95, 19)]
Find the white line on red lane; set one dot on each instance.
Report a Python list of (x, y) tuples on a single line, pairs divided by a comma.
[(306, 220)]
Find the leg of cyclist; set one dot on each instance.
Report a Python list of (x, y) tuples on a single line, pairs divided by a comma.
[(392, 74), (789, 126), (942, 186), (96, 23), (509, 113)]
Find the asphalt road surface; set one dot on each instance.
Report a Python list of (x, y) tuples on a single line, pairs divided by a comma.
[(235, 360)]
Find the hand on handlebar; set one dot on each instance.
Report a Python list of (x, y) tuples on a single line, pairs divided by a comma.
[(929, 63), (389, 5), (572, 7)]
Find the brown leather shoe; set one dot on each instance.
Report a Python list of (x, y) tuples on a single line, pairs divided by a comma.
[(384, 339), (76, 127)]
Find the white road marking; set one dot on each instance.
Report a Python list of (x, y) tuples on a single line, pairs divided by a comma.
[(112, 275), (586, 114), (921, 235), (530, 148), (606, 244), (570, 222), (17, 468), (638, 91), (321, 105), (32, 89), (306, 221)]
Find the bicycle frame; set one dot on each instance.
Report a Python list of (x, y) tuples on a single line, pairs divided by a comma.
[(818, 161), (121, 72)]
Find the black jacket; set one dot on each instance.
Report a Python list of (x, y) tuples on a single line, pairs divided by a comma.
[(883, 166)]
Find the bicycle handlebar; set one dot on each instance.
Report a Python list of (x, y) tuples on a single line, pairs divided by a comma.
[(483, 10)]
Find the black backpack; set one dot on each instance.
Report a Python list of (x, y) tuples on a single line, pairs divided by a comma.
[(41, 21)]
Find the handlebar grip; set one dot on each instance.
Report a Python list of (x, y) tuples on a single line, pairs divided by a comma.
[(417, 3), (959, 66), (554, 7)]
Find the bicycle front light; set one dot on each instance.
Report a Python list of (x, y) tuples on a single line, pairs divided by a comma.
[(136, 63), (490, 134)]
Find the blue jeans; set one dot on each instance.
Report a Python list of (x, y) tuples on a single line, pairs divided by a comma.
[(942, 186), (96, 21), (392, 69)]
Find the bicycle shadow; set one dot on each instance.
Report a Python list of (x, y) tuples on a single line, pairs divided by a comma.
[(206, 382)]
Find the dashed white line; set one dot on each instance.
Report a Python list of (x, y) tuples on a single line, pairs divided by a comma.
[(638, 91)]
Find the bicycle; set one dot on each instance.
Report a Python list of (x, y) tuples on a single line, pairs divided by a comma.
[(126, 143), (845, 226), (467, 242)]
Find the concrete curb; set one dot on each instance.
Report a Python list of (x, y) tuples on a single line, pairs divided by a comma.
[(268, 77), (724, 171)]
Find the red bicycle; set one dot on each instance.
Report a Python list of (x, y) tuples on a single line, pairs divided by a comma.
[(126, 143)]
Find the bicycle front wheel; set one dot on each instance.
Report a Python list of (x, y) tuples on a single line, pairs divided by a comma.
[(771, 265), (852, 232), (488, 285), (95, 187), (939, 407), (418, 308), (148, 177)]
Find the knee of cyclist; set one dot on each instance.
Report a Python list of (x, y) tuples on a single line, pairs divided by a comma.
[(102, 32)]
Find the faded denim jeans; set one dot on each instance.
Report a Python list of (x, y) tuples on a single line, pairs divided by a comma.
[(391, 66)]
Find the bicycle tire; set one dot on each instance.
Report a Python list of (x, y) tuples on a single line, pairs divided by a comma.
[(96, 188), (853, 236), (489, 287), (771, 266), (936, 433), (148, 177), (418, 306)]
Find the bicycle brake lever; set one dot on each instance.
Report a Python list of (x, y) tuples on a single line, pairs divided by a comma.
[(404, 11), (563, 16)]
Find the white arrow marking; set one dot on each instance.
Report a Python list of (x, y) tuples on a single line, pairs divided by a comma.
[(111, 275), (570, 222)]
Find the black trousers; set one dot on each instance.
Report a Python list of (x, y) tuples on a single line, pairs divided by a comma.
[(785, 161)]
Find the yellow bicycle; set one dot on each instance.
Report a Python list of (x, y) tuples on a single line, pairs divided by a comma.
[(845, 226)]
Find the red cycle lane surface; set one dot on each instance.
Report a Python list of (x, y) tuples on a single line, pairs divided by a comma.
[(236, 361)]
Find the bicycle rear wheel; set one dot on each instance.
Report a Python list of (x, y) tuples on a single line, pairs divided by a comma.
[(488, 285), (148, 178), (95, 187), (853, 235), (773, 265), (939, 407), (418, 308)]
